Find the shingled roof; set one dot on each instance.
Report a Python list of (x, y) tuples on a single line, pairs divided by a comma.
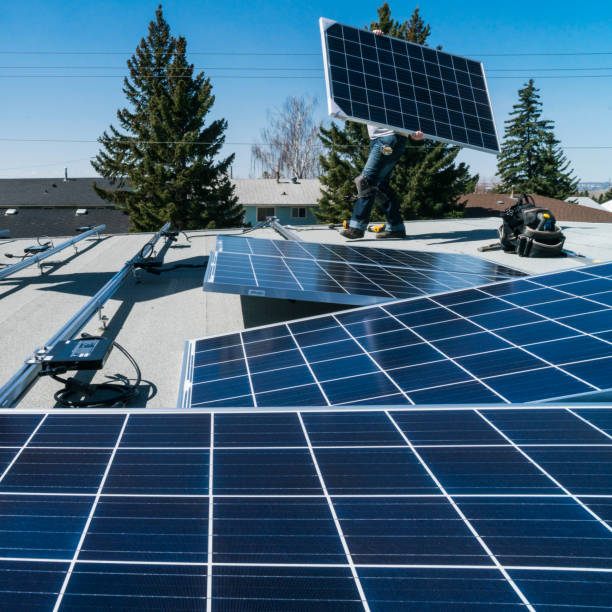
[(56, 192), (261, 192), (488, 205)]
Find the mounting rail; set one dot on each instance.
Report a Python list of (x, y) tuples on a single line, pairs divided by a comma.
[(25, 376), (282, 230), (28, 261)]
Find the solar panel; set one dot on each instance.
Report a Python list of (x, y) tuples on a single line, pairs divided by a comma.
[(316, 510), (534, 339), (407, 87), (340, 274)]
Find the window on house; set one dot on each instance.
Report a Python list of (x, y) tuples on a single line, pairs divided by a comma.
[(263, 213), (298, 213)]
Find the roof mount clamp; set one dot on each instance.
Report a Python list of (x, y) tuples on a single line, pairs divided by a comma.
[(284, 231), (36, 253), (85, 228), (20, 382)]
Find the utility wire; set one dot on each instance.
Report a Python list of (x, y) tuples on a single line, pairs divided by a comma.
[(267, 77), (277, 54), (193, 142), (282, 69)]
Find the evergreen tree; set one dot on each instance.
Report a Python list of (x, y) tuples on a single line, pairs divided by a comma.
[(164, 166), (605, 197), (426, 179), (531, 159)]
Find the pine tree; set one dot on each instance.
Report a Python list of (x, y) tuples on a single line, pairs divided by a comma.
[(554, 178), (426, 179), (163, 166), (531, 159), (605, 197)]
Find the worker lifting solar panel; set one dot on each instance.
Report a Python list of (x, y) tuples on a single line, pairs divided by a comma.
[(407, 87), (288, 511), (541, 338), (339, 274)]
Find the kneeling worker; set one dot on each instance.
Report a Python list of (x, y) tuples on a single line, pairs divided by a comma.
[(386, 148)]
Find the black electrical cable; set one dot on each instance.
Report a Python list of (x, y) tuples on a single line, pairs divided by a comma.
[(120, 394)]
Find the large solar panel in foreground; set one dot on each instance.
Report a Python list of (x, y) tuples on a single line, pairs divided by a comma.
[(292, 511), (536, 339), (407, 87), (340, 274)]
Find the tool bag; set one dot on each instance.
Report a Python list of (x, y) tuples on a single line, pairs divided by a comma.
[(530, 230)]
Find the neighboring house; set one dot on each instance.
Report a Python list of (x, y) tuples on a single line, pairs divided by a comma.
[(493, 204), (584, 201), (292, 201), (56, 207), (33, 207), (607, 205)]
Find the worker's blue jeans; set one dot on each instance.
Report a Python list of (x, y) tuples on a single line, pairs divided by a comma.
[(378, 171)]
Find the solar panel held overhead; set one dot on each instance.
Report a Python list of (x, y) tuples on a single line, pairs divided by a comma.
[(396, 84)]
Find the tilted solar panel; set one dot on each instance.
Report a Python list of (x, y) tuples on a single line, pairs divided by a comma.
[(393, 83), (340, 274), (288, 511), (533, 339)]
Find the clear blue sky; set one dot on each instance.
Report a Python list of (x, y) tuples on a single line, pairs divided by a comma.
[(54, 107)]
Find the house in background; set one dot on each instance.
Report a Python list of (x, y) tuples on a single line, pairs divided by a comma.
[(32, 207), (584, 201), (56, 206), (292, 201), (607, 205)]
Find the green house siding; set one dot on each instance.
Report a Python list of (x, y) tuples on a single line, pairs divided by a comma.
[(283, 213)]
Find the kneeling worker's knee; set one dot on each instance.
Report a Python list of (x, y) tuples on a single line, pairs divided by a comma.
[(364, 187)]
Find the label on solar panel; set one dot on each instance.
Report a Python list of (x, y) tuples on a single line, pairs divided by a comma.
[(340, 274), (406, 87)]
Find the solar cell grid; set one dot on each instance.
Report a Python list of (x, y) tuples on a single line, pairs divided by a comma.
[(393, 503), (494, 343), (338, 273), (405, 86)]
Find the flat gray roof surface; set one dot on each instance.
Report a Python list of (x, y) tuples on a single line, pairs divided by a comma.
[(152, 316)]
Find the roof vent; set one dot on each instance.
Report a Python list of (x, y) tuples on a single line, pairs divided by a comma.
[(54, 185), (65, 175), (10, 211), (80, 211), (283, 193)]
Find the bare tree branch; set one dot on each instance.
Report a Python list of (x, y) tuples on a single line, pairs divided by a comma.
[(288, 143)]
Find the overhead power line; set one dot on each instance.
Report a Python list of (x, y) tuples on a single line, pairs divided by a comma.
[(305, 54), (246, 144), (292, 69), (273, 76)]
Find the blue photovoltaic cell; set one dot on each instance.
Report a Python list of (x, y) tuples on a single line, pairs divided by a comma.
[(285, 589), (406, 87), (516, 530), (339, 273), (159, 472), (397, 589), (380, 531), (309, 510), (135, 587), (469, 346), (70, 471), (148, 529), (30, 586)]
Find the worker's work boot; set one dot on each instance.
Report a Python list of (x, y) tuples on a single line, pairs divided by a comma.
[(385, 234), (352, 233)]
